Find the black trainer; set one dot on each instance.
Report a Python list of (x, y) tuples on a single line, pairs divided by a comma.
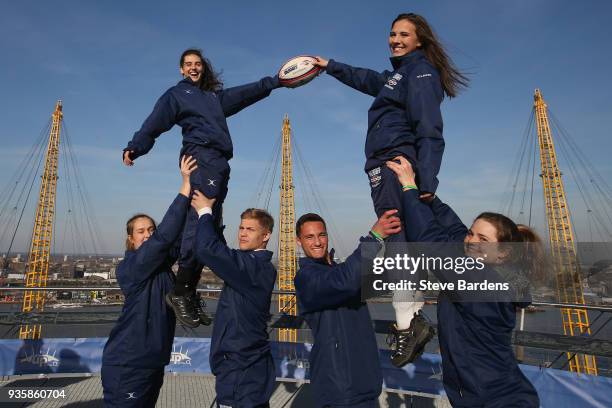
[(409, 343), (184, 309), (200, 305)]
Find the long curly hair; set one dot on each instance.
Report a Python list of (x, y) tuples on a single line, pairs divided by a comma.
[(453, 80), (210, 80)]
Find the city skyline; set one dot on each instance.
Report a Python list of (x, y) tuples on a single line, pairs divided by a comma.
[(109, 64)]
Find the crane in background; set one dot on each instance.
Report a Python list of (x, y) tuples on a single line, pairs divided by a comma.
[(562, 242), (62, 198), (287, 254), (40, 245)]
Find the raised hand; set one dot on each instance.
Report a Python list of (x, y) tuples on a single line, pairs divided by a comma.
[(321, 62), (403, 170), (199, 201), (188, 166), (388, 224), (127, 159)]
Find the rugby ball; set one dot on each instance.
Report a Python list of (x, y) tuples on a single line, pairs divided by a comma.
[(298, 71)]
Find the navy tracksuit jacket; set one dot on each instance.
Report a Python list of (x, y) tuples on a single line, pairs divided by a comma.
[(479, 365), (240, 355), (202, 117), (344, 362), (141, 341), (404, 120)]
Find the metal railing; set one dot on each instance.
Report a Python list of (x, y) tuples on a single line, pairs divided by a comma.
[(577, 344)]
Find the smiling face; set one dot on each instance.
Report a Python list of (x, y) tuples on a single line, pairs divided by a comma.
[(192, 67), (403, 38), (313, 239), (481, 242), (252, 235), (142, 229)]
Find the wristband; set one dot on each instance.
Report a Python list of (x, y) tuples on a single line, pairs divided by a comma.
[(409, 187), (377, 236)]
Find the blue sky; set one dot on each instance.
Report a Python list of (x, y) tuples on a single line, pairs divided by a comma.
[(110, 61)]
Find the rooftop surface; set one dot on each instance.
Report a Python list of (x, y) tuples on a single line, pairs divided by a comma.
[(187, 391)]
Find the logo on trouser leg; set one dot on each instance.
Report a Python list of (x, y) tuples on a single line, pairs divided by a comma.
[(375, 177), (131, 395)]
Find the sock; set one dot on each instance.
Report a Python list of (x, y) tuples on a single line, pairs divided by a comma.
[(404, 312), (406, 304)]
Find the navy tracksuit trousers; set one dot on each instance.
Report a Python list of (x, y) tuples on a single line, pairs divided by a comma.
[(386, 192), (130, 387), (211, 178), (237, 387)]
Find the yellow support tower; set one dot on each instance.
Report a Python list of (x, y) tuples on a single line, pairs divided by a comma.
[(567, 270), (40, 247), (287, 256)]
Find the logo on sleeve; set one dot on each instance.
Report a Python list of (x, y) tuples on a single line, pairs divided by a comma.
[(375, 177), (423, 76), (393, 81)]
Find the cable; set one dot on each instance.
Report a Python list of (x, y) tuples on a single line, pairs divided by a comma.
[(581, 184), (573, 153), (30, 173), (261, 184), (530, 157), (23, 210), (518, 163), (532, 183), (319, 202)]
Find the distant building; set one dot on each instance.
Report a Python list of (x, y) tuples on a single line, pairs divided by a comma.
[(79, 271), (98, 275), (17, 267), (64, 295)]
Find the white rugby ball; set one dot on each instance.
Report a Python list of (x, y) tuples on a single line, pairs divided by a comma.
[(298, 71)]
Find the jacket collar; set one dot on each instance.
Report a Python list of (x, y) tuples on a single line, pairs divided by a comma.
[(411, 58), (306, 261), (309, 261), (264, 254), (188, 81)]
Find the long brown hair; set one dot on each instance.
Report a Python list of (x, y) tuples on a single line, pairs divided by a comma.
[(129, 227), (452, 79), (210, 80), (531, 255)]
